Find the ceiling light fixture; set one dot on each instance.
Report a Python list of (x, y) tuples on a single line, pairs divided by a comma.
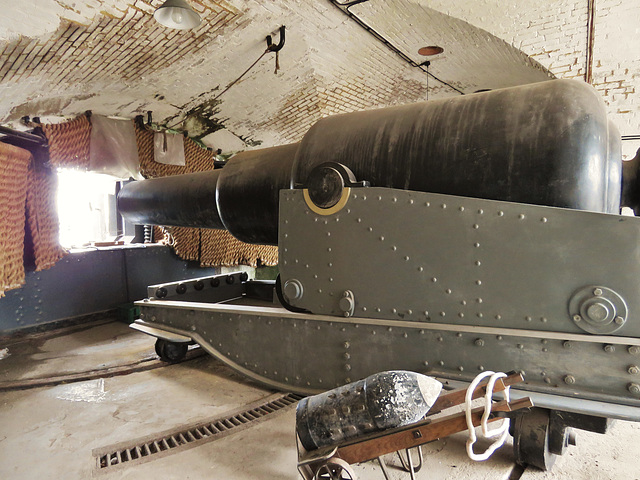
[(430, 50), (177, 14)]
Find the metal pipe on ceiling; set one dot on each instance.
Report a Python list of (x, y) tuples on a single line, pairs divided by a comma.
[(344, 7)]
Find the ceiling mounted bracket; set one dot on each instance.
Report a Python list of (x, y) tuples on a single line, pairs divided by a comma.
[(272, 47)]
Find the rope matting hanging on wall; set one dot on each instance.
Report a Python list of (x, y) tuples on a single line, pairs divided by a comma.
[(218, 247), (14, 165), (210, 247), (69, 143), (43, 216)]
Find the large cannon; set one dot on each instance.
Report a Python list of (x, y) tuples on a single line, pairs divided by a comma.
[(447, 237)]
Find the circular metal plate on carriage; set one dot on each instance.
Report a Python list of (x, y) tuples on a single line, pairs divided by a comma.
[(599, 310)]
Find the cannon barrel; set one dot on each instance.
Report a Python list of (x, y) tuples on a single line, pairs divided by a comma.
[(547, 143)]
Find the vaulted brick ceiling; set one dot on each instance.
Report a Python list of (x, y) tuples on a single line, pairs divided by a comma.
[(110, 56)]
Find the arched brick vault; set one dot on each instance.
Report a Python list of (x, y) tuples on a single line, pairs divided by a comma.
[(110, 56)]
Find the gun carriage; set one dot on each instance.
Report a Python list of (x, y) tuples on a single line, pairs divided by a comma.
[(450, 237)]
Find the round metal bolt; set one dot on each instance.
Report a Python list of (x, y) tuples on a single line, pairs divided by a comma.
[(597, 292), (461, 368), (547, 380), (479, 342), (598, 312), (293, 289), (619, 320), (346, 344), (633, 350), (633, 370), (577, 318), (567, 344), (634, 388), (569, 379), (520, 346), (481, 368), (347, 367), (609, 348)]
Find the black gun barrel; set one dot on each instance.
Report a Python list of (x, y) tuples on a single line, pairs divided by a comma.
[(547, 143)]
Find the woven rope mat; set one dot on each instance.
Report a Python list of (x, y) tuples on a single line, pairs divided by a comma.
[(212, 248), (69, 143), (14, 165), (220, 248), (42, 216)]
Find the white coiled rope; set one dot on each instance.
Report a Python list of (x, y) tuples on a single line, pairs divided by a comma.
[(502, 431)]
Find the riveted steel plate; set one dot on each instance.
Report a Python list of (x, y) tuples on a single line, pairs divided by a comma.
[(309, 353), (423, 257)]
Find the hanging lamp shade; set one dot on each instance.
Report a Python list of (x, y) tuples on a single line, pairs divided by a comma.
[(177, 14)]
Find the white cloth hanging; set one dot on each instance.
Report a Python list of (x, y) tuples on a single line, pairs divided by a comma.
[(113, 149), (168, 148)]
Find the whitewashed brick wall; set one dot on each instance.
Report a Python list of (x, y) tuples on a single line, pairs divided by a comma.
[(67, 56), (554, 32)]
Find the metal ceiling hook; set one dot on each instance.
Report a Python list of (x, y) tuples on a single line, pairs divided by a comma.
[(272, 47)]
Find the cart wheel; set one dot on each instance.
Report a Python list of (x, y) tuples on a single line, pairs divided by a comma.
[(170, 351), (335, 469), (531, 439)]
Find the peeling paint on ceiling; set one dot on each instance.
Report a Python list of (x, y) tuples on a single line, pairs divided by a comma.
[(111, 57)]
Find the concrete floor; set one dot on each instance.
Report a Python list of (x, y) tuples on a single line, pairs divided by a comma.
[(50, 432)]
